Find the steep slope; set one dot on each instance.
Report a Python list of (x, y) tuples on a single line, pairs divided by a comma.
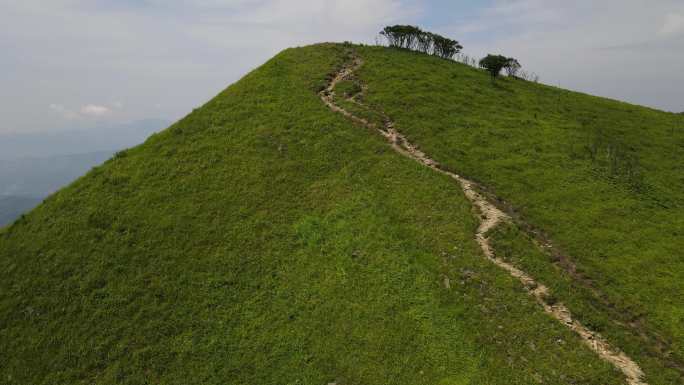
[(264, 239), (597, 182), (352, 105)]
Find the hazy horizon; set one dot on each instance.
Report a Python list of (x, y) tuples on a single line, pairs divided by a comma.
[(74, 63)]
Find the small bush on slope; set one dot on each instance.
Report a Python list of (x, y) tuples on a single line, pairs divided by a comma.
[(264, 239), (494, 64)]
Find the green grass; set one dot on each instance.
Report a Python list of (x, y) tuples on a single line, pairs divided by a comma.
[(347, 88), (602, 178), (264, 239)]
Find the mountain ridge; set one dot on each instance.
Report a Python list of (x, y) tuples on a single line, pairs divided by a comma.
[(490, 218), (265, 239)]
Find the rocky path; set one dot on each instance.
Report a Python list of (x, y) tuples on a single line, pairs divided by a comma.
[(490, 216)]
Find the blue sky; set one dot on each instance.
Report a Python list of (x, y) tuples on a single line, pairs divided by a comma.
[(75, 63)]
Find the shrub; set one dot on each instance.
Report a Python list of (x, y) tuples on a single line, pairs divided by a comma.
[(512, 67), (529, 76), (494, 64)]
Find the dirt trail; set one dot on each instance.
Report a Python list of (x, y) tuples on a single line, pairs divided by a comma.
[(490, 216)]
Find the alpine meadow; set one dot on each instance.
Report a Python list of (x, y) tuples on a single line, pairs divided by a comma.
[(352, 214)]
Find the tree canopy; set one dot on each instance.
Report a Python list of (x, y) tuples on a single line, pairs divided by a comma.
[(495, 63), (413, 38)]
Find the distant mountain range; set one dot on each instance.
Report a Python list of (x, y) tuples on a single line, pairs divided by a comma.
[(33, 166), (11, 207), (110, 137), (38, 177)]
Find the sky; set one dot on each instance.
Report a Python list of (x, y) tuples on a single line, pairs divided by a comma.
[(67, 64)]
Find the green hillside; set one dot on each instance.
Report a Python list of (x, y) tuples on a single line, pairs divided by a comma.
[(265, 239), (602, 179)]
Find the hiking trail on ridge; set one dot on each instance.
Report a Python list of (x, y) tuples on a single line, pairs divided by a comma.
[(490, 216)]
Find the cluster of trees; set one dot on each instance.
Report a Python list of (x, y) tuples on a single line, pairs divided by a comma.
[(413, 38), (495, 63)]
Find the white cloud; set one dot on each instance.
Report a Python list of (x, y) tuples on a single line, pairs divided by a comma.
[(63, 111), (673, 25), (86, 111), (615, 48), (354, 13), (138, 49), (95, 111)]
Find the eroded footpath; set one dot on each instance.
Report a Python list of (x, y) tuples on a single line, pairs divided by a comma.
[(490, 217)]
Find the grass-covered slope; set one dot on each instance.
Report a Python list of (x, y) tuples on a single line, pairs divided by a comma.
[(264, 239), (602, 179)]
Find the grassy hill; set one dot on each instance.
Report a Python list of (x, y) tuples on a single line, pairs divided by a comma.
[(264, 239), (601, 178)]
